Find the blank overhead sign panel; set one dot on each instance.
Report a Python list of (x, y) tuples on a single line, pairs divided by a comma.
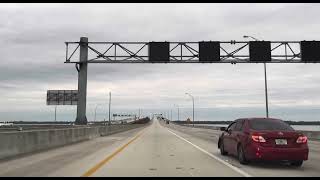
[(310, 51), (260, 51), (209, 51), (62, 97), (159, 51)]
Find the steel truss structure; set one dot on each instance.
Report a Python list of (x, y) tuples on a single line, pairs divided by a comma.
[(182, 52)]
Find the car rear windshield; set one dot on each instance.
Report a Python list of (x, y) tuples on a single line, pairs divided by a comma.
[(265, 124)]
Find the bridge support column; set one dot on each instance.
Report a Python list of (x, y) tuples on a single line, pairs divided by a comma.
[(82, 83)]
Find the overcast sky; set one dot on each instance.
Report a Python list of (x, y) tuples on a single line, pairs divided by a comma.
[(33, 52)]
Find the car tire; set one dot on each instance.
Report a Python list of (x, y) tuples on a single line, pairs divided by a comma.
[(222, 151), (297, 163), (241, 157)]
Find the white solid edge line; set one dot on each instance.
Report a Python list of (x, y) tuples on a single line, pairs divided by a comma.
[(213, 156)]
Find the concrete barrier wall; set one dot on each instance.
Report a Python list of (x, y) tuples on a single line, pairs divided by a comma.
[(312, 135), (200, 126), (17, 143)]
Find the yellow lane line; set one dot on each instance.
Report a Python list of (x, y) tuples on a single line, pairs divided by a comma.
[(104, 161)]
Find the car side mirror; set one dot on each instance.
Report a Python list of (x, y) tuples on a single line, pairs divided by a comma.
[(222, 128)]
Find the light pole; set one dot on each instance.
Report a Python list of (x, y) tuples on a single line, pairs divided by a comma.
[(192, 107), (266, 90), (178, 110), (265, 80), (95, 112), (55, 114), (109, 108), (140, 113)]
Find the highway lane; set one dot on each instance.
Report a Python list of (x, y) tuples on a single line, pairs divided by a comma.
[(208, 139), (158, 152)]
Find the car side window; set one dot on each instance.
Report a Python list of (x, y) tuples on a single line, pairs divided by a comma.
[(239, 125), (232, 126)]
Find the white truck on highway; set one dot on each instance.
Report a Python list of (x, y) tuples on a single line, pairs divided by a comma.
[(6, 123)]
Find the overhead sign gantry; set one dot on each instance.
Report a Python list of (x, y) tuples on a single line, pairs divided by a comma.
[(183, 52)]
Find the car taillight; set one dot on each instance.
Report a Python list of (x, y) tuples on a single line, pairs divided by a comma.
[(258, 138), (302, 139)]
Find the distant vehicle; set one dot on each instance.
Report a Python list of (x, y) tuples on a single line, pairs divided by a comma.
[(6, 123), (115, 122), (266, 139)]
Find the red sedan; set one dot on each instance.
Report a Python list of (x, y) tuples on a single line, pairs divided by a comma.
[(267, 139)]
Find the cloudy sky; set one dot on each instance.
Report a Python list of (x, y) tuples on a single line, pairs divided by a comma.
[(33, 52)]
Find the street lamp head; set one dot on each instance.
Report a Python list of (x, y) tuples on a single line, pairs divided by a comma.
[(245, 36), (189, 95)]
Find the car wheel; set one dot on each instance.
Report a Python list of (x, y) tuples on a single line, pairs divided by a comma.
[(241, 157), (297, 163), (222, 151)]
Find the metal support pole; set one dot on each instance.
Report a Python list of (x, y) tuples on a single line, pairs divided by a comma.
[(181, 50), (192, 108), (266, 89), (55, 114), (95, 113), (109, 108), (178, 114), (82, 83), (193, 111), (171, 114)]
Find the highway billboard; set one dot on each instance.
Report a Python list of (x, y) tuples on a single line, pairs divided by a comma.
[(62, 97)]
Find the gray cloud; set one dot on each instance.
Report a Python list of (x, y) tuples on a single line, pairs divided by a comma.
[(33, 53)]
